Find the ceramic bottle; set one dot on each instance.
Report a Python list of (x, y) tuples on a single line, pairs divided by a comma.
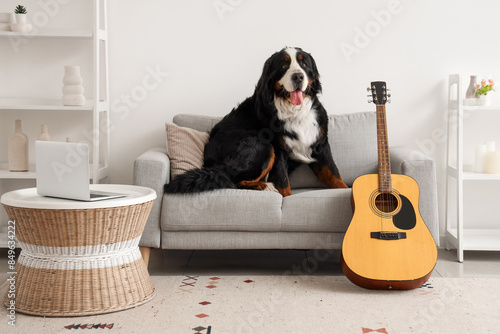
[(18, 150), (44, 135)]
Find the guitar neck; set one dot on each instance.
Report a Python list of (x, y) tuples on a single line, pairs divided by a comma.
[(384, 162)]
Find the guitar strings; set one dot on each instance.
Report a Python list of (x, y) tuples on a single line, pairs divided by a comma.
[(385, 196), (381, 196), (385, 181)]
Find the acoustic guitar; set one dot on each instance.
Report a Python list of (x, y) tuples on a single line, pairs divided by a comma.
[(387, 244)]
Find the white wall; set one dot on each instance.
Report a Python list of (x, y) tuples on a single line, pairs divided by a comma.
[(208, 55)]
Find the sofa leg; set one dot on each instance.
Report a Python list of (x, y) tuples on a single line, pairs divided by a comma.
[(145, 252)]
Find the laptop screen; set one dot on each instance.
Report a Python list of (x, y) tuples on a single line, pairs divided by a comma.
[(62, 169)]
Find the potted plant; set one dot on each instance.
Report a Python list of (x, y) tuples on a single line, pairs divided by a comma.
[(20, 12), (482, 91)]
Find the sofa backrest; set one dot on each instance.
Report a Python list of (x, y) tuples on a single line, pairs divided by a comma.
[(353, 140), (196, 122), (352, 137)]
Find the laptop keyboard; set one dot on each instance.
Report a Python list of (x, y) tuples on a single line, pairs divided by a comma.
[(97, 195)]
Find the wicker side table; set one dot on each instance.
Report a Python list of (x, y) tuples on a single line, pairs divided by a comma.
[(80, 258)]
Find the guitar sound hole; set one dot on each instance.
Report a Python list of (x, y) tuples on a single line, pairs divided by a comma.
[(386, 202)]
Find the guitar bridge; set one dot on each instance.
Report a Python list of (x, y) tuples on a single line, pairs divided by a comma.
[(388, 235)]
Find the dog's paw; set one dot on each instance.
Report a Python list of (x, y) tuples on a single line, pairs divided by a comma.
[(270, 187)]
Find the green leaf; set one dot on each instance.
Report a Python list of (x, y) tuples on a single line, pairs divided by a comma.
[(20, 9)]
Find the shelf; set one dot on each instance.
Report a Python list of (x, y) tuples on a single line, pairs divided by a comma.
[(31, 174), (479, 239), (479, 108), (6, 174), (94, 39), (81, 33), (41, 104), (468, 174), (481, 176), (471, 239)]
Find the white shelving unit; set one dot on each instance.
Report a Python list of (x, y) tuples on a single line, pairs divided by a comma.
[(463, 238), (77, 33), (97, 104)]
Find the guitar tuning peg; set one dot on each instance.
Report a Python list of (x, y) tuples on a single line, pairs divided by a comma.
[(370, 101), (368, 89), (389, 95), (389, 101)]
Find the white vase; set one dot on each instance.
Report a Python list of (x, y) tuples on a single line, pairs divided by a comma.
[(73, 88), (484, 100), (21, 18), (469, 94), (18, 150), (44, 135)]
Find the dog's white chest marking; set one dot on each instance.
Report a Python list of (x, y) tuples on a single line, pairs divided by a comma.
[(301, 121)]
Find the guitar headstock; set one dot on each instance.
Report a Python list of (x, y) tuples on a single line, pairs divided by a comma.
[(379, 93)]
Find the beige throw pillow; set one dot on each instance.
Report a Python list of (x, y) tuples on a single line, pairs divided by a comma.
[(185, 148)]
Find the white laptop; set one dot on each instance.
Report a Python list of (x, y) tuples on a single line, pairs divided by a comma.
[(62, 170)]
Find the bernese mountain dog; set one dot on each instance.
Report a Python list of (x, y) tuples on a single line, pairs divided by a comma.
[(281, 126)]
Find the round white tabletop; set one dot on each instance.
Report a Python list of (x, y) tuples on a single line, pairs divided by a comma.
[(28, 198)]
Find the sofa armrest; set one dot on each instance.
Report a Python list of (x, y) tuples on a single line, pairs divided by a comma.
[(420, 167), (152, 170)]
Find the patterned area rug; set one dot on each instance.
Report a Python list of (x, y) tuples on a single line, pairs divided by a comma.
[(289, 304)]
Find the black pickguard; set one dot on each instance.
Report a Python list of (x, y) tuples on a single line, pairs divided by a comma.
[(405, 219)]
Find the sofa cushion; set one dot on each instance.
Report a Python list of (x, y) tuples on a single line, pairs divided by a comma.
[(317, 210), (307, 210), (185, 148), (222, 210)]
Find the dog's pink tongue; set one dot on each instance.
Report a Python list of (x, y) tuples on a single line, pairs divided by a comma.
[(296, 97)]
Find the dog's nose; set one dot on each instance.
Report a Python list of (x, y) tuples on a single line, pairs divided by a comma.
[(298, 77)]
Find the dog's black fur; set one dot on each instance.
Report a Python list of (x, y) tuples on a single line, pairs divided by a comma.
[(253, 140)]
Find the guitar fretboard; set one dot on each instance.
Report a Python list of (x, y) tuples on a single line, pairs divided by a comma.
[(384, 162)]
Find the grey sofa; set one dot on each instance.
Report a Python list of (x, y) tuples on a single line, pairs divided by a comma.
[(311, 218)]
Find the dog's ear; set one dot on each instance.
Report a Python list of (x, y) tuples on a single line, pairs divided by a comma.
[(316, 77), (264, 88), (266, 73)]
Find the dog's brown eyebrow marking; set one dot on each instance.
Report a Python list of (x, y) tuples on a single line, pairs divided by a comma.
[(300, 56), (287, 58)]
